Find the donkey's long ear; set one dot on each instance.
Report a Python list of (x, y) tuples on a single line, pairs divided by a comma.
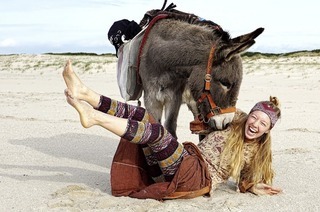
[(240, 44), (249, 36)]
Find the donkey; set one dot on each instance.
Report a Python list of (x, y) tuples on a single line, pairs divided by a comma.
[(174, 66)]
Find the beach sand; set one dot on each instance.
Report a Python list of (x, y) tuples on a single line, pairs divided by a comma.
[(49, 162)]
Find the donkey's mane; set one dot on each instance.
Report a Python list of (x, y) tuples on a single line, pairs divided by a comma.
[(225, 36), (217, 30)]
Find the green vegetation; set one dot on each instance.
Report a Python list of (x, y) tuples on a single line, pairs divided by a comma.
[(272, 55), (259, 54)]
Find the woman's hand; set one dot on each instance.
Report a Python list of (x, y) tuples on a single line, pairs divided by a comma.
[(263, 189)]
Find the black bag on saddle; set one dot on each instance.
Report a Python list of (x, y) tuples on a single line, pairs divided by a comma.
[(126, 37)]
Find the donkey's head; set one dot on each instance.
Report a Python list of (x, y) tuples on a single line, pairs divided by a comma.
[(216, 103)]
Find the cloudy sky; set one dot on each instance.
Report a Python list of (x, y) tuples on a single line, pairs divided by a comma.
[(41, 26)]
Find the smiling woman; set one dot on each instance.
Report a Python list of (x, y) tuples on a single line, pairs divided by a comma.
[(246, 148), (257, 124)]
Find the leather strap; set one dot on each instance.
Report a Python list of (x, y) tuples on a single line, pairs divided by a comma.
[(215, 110), (144, 40)]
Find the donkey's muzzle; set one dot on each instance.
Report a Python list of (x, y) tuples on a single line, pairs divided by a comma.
[(220, 122)]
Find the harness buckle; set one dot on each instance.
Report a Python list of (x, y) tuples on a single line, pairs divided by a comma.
[(207, 78), (215, 111)]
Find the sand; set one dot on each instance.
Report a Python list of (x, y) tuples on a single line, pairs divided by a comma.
[(48, 162)]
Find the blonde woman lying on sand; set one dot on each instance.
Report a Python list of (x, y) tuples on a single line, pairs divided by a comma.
[(151, 163)]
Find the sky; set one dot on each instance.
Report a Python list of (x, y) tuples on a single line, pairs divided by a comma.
[(57, 26)]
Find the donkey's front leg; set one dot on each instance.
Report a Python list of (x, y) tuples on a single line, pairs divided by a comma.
[(172, 109), (153, 106)]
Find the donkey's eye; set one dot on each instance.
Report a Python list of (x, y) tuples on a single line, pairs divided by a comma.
[(226, 84)]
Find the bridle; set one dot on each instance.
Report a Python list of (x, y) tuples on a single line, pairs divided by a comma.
[(214, 109)]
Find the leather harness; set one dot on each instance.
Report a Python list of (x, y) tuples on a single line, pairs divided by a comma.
[(214, 109)]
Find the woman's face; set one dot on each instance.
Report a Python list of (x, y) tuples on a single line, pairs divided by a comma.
[(257, 124)]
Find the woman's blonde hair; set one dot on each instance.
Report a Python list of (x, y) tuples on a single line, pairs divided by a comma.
[(260, 169)]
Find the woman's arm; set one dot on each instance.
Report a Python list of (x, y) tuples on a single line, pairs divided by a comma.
[(246, 185)]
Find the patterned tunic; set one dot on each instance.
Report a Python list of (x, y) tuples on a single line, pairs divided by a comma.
[(211, 148)]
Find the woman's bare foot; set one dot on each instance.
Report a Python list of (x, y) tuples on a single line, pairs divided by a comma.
[(90, 116), (85, 111), (77, 88), (74, 84)]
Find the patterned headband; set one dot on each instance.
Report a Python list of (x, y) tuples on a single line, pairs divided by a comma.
[(268, 108)]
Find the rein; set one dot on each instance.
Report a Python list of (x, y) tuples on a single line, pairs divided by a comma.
[(214, 109), (144, 40)]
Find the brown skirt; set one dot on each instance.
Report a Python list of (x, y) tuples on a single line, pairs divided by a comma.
[(130, 176)]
